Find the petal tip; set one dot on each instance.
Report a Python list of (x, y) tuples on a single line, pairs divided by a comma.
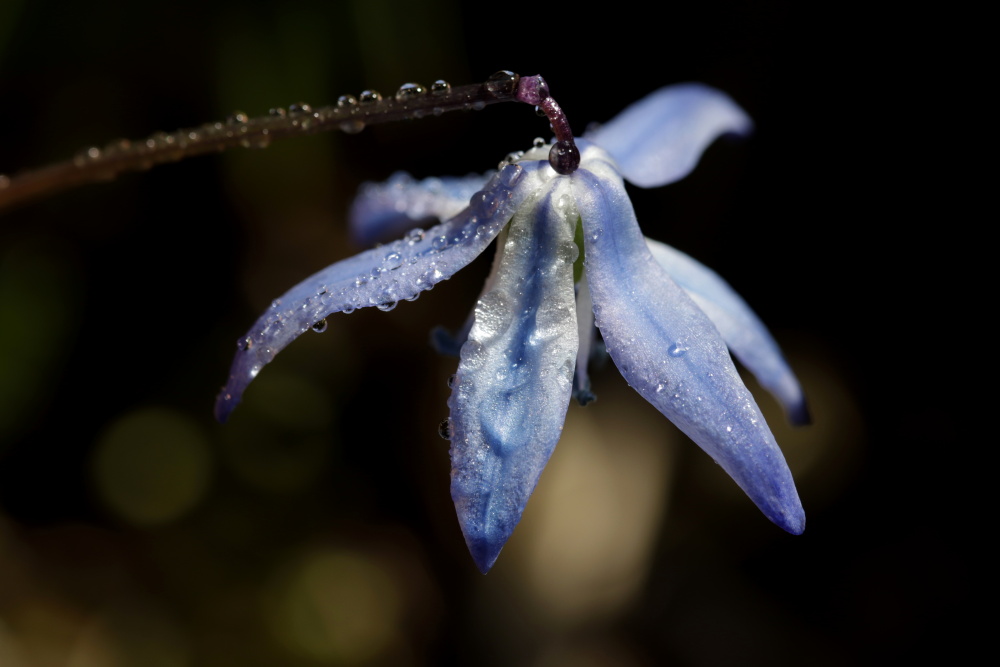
[(788, 516), (485, 552)]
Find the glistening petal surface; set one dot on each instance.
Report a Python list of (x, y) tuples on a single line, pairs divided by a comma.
[(671, 353), (744, 333), (659, 139), (382, 276), (385, 210), (515, 376)]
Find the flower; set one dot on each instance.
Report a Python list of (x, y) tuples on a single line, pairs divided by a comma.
[(668, 322)]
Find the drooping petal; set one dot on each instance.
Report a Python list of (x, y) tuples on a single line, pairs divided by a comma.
[(382, 276), (744, 333), (659, 139), (387, 210), (514, 381), (671, 353)]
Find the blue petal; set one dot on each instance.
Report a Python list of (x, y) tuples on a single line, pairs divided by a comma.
[(515, 377), (659, 139), (671, 353), (381, 277), (745, 335), (386, 210)]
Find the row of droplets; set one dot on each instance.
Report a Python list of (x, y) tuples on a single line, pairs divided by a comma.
[(483, 205), (299, 114)]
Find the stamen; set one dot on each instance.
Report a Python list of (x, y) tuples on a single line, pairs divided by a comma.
[(564, 156)]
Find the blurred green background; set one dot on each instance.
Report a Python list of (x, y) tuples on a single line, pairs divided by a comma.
[(316, 527)]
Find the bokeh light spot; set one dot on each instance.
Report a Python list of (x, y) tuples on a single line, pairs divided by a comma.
[(338, 606), (152, 466)]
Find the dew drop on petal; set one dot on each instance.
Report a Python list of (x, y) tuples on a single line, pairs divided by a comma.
[(319, 327), (444, 429), (452, 381), (510, 174), (676, 350), (369, 97), (440, 87), (387, 306), (347, 102), (393, 261), (538, 142)]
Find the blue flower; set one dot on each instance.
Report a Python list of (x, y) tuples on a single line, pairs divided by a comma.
[(668, 322)]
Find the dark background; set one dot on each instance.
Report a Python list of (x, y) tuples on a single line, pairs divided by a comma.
[(316, 527)]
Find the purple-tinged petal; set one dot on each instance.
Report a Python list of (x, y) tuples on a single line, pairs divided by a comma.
[(743, 332), (659, 139), (390, 209), (514, 381), (382, 276), (671, 353)]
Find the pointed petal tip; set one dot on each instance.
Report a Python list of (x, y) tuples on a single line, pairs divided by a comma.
[(485, 553), (784, 511)]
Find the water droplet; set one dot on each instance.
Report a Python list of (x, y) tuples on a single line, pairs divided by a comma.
[(347, 309), (393, 261), (415, 235), (452, 381), (236, 118), (408, 91), (275, 303), (564, 157), (440, 87), (503, 81), (440, 243), (387, 306), (376, 272), (87, 155), (277, 112), (429, 278), (361, 280), (244, 343), (538, 142), (347, 102), (511, 174), (352, 126), (369, 97), (444, 429), (676, 350), (729, 429), (319, 327), (660, 387), (299, 108), (540, 112)]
